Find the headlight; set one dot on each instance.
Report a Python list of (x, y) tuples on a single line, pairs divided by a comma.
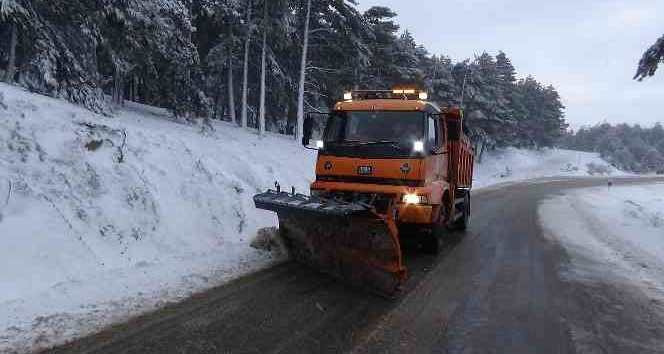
[(418, 146), (414, 199)]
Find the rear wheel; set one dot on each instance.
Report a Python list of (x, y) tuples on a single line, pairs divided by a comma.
[(462, 223)]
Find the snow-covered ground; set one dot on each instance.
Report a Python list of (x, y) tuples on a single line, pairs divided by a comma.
[(612, 235), (97, 226), (511, 164), (88, 240)]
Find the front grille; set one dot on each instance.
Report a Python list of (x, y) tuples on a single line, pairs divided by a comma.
[(371, 180)]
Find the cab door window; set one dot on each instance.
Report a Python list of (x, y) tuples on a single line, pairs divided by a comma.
[(433, 139)]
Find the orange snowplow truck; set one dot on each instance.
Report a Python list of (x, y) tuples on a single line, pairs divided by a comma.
[(391, 166)]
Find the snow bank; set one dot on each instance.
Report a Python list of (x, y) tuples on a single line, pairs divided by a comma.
[(98, 227), (105, 218), (612, 235), (511, 164)]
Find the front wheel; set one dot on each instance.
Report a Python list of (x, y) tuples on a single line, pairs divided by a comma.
[(432, 243)]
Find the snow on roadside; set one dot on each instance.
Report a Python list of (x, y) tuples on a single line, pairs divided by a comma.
[(511, 164), (89, 240), (612, 235)]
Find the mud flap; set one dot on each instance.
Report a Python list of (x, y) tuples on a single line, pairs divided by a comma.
[(356, 246)]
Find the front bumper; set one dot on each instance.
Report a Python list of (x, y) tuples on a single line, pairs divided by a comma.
[(415, 213), (407, 213)]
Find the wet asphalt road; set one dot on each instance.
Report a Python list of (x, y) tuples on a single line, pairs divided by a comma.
[(495, 289)]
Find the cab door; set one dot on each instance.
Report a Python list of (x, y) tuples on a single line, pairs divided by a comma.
[(436, 160)]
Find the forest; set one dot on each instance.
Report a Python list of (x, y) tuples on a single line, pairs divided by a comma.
[(627, 147), (257, 63)]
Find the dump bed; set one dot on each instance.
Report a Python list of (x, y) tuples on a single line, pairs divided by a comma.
[(462, 157), (462, 161)]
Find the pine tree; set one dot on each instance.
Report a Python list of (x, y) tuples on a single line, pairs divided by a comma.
[(382, 44), (13, 12), (177, 53), (440, 82), (505, 69), (650, 60), (57, 57)]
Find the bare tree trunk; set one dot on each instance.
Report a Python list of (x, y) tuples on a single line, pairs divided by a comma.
[(356, 72), (261, 114), (286, 112), (219, 108), (135, 90), (11, 66), (122, 90), (131, 88), (231, 92), (245, 72), (118, 87), (480, 154), (95, 61), (303, 71), (115, 98)]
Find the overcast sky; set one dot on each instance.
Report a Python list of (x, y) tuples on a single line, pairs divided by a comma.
[(588, 49)]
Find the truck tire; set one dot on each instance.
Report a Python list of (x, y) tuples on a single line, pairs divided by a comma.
[(462, 223), (432, 242)]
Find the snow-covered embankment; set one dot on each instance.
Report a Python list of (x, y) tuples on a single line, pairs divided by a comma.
[(103, 218)]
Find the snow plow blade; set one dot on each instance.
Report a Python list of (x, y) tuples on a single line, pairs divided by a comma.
[(347, 240)]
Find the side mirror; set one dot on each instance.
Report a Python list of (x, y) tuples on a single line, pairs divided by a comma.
[(307, 130), (307, 133)]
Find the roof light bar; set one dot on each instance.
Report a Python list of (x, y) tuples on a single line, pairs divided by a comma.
[(405, 92), (401, 94)]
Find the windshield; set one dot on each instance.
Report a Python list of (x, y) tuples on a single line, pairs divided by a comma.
[(375, 126)]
